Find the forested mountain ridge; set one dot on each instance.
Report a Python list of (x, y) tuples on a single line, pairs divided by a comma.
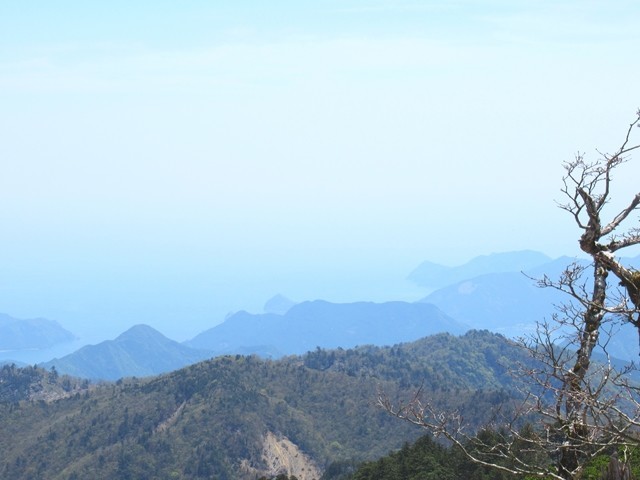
[(33, 383), (426, 459), (212, 419), (477, 359)]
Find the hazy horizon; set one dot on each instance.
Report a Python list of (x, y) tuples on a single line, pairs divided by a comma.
[(167, 163)]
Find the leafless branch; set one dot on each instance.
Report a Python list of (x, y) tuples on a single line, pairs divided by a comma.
[(580, 408)]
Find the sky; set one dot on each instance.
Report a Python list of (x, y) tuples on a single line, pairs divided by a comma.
[(171, 162)]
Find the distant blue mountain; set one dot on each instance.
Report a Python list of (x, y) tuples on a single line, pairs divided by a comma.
[(433, 275), (314, 324), (140, 351), (511, 303), (506, 302), (278, 304), (34, 333)]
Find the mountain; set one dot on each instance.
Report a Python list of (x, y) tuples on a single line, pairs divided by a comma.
[(433, 275), (140, 351), (511, 303), (508, 303), (278, 304), (34, 333), (554, 268), (505, 302), (238, 418), (308, 325)]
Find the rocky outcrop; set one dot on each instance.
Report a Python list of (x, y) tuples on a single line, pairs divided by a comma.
[(281, 456)]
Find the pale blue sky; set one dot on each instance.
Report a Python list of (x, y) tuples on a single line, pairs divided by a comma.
[(168, 162)]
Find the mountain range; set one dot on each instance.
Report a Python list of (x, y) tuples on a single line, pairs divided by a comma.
[(307, 325), (143, 351), (240, 418), (207, 408), (505, 300)]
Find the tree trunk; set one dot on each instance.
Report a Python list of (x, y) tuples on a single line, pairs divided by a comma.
[(616, 470)]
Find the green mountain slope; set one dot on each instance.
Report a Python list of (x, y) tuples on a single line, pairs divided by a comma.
[(140, 351), (33, 383), (424, 460), (237, 417)]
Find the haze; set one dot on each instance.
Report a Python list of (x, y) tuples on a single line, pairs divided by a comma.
[(170, 162)]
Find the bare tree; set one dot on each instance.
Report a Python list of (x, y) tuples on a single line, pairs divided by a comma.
[(579, 408)]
